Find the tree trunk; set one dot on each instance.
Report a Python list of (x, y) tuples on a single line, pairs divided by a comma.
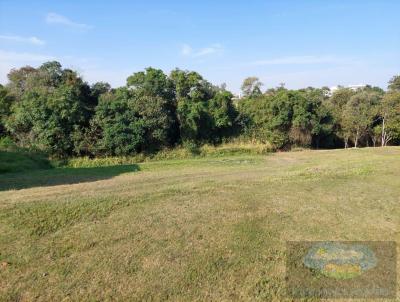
[(383, 137), (356, 140)]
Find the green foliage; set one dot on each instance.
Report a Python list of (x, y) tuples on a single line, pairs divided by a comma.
[(287, 117), (47, 121), (53, 110), (46, 115), (359, 113), (336, 104), (194, 120), (98, 89), (185, 81), (121, 129), (153, 98), (389, 111), (251, 87), (205, 113), (5, 108), (394, 83), (223, 115), (151, 82), (7, 143)]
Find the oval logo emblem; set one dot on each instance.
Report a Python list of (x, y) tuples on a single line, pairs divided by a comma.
[(340, 260)]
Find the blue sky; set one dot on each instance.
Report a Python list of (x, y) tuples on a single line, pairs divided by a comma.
[(300, 43)]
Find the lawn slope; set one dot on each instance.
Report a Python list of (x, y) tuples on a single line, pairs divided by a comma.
[(206, 229)]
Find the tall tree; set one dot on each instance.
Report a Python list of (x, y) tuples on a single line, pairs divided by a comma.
[(97, 89), (21, 80), (51, 104), (152, 96), (251, 87), (394, 83), (122, 128), (359, 113), (390, 115), (192, 95), (337, 104), (5, 108), (223, 115)]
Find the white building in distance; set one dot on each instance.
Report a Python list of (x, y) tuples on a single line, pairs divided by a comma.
[(352, 87)]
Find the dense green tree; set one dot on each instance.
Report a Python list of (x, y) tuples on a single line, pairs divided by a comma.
[(97, 89), (336, 104), (21, 80), (252, 118), (389, 111), (159, 121), (51, 104), (192, 95), (194, 121), (394, 83), (152, 96), (223, 115), (186, 81), (47, 121), (118, 127), (359, 114), (312, 120), (5, 108), (206, 120), (151, 82), (251, 87), (287, 117), (53, 109), (51, 74)]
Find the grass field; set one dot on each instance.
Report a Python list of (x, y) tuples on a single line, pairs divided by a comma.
[(209, 229)]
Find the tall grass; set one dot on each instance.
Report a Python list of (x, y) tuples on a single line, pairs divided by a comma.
[(231, 148), (15, 159)]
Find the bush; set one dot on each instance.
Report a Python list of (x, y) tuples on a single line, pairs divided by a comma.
[(6, 143)]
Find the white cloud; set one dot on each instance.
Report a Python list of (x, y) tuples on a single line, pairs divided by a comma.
[(31, 40), (297, 60), (189, 52), (53, 18)]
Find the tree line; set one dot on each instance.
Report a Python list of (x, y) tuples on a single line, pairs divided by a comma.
[(53, 109)]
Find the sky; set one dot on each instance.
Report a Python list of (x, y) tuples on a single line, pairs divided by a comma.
[(300, 43)]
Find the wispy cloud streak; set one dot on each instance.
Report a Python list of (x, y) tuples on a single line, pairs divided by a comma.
[(53, 18), (30, 40), (188, 51)]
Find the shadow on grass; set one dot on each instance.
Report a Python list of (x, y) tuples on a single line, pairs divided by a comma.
[(61, 176)]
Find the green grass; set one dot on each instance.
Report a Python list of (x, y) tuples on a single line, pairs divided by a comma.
[(178, 153), (14, 159), (19, 161), (211, 228)]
